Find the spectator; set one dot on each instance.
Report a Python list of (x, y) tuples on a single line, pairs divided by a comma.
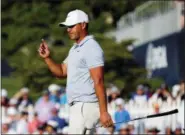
[(124, 130), (34, 124), (44, 107), (22, 123), (178, 130), (180, 115), (40, 130), (147, 90), (162, 94), (51, 127), (140, 97), (153, 131), (131, 128), (64, 112), (112, 96), (24, 101), (121, 115), (181, 92), (154, 122), (60, 121), (6, 127), (4, 98), (111, 130), (65, 130), (54, 90), (63, 97), (4, 102), (165, 94), (12, 116), (168, 131), (175, 90), (13, 102)]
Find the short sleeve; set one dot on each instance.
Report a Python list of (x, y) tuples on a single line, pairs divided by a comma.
[(94, 57), (65, 61)]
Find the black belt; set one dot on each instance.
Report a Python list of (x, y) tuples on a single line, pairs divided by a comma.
[(73, 103)]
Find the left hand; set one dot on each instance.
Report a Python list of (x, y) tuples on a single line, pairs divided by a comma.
[(106, 119)]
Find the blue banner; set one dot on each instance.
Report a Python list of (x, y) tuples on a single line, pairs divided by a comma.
[(163, 57)]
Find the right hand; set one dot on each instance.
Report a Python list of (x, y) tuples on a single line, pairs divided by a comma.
[(43, 50)]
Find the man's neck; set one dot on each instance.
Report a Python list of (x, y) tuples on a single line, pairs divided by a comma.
[(81, 38)]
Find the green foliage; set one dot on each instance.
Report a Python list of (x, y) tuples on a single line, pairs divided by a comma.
[(12, 84), (25, 23)]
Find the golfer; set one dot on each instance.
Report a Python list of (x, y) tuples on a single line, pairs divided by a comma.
[(84, 69)]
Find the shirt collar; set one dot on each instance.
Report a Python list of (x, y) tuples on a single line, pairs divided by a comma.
[(84, 40)]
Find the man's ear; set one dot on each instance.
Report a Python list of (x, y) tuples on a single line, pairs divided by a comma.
[(84, 25)]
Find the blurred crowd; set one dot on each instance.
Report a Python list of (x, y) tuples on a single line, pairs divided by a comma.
[(49, 114), (144, 102)]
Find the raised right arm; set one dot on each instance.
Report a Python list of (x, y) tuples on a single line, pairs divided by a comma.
[(59, 70)]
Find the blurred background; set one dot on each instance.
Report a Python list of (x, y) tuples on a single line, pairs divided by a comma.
[(144, 48)]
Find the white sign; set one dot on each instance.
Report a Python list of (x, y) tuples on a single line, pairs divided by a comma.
[(156, 58)]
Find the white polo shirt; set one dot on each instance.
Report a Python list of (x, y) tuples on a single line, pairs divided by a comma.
[(82, 57)]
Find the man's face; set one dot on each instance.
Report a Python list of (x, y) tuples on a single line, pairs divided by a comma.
[(49, 129), (25, 96), (114, 95), (46, 97), (156, 108), (74, 31), (139, 92)]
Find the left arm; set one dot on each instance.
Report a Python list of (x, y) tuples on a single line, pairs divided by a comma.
[(94, 58), (97, 75)]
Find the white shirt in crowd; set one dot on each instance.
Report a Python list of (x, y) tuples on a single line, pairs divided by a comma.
[(158, 123), (22, 126)]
